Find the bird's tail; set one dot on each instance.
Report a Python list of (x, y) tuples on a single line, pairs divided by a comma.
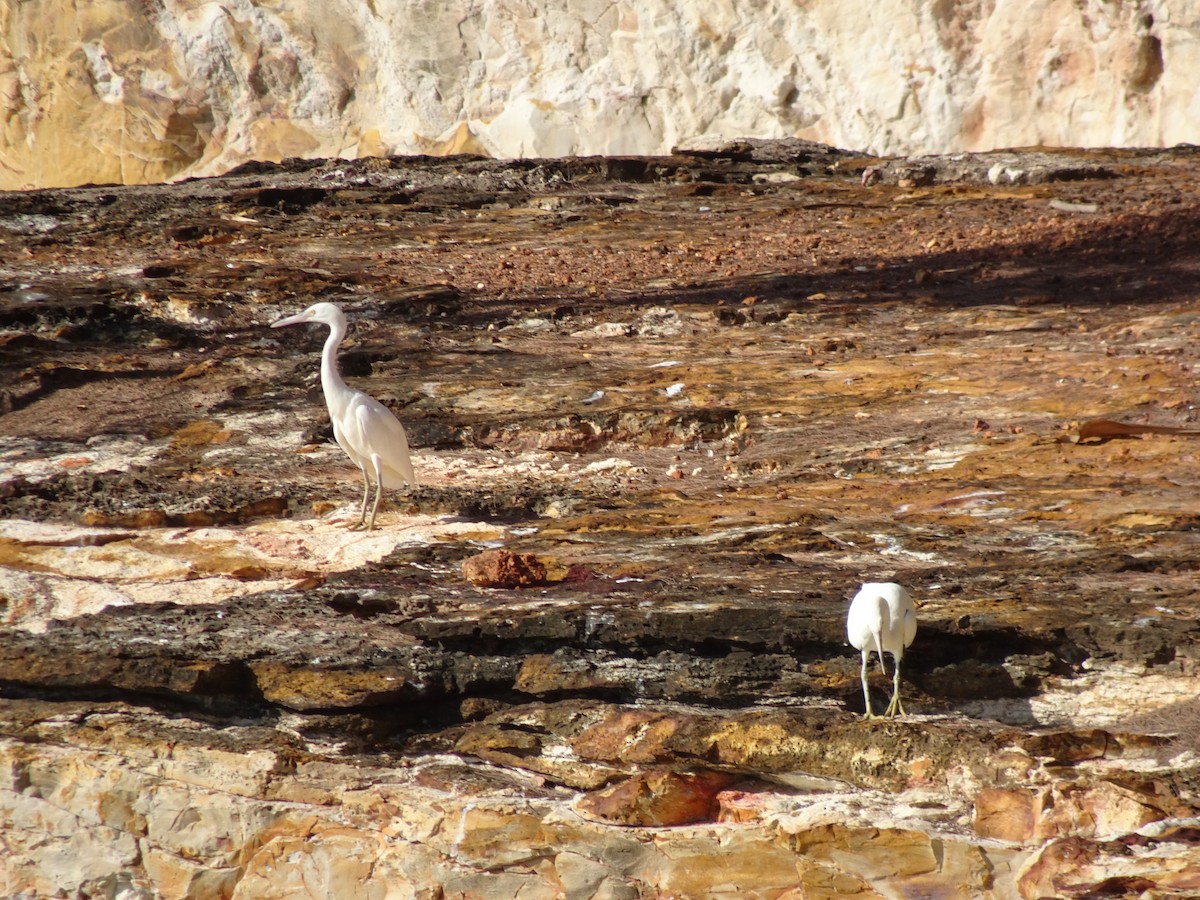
[(877, 630)]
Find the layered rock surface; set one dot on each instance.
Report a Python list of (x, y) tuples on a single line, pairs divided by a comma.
[(129, 91), (667, 414)]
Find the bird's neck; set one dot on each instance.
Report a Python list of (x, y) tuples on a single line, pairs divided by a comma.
[(331, 378)]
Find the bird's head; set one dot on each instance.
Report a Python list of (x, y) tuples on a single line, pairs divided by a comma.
[(323, 313)]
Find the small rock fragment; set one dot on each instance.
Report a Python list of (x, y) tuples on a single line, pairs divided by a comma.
[(1069, 207), (503, 568)]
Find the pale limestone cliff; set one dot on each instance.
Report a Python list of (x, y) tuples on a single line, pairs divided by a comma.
[(125, 91)]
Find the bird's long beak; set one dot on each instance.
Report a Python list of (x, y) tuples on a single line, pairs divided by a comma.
[(297, 319)]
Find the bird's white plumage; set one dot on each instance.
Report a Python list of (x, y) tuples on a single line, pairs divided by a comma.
[(362, 426), (882, 619)]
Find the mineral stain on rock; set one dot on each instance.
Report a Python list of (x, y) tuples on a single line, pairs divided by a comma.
[(601, 650)]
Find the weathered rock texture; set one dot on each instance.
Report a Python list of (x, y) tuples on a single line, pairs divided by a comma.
[(683, 406), (130, 91)]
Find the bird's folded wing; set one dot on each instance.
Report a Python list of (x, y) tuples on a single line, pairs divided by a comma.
[(383, 434)]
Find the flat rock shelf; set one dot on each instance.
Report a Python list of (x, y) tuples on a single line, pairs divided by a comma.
[(667, 414)]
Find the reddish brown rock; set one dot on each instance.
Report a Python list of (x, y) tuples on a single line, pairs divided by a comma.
[(631, 735), (1069, 747), (504, 569), (657, 797), (1099, 810), (1007, 814)]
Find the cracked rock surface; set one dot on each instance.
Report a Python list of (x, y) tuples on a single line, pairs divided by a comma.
[(667, 414)]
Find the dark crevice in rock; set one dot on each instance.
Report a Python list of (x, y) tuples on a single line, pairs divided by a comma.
[(712, 658)]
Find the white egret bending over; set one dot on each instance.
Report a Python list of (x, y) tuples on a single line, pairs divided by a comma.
[(883, 619), (362, 426)]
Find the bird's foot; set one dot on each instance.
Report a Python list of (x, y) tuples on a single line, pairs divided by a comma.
[(361, 525), (895, 708)]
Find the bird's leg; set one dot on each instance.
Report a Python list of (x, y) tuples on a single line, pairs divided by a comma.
[(866, 691), (375, 507), (378, 491), (362, 516), (895, 706)]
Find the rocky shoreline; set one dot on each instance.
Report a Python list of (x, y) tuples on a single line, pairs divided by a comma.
[(667, 414)]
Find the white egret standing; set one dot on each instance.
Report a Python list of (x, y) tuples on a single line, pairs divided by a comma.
[(882, 619), (362, 426)]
